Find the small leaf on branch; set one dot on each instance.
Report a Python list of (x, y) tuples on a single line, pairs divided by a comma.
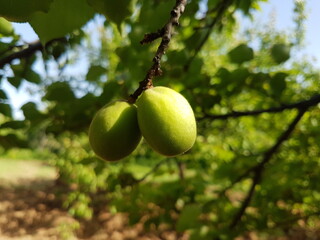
[(59, 92), (5, 109), (95, 72)]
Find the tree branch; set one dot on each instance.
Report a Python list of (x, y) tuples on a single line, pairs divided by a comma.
[(235, 114), (259, 168), (220, 9), (24, 53), (155, 168), (165, 33), (181, 166)]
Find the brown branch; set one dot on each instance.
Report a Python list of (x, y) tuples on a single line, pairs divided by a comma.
[(181, 167), (220, 9), (165, 33), (150, 37), (259, 168), (235, 114), (24, 53)]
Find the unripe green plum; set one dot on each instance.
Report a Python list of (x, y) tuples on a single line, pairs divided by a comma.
[(166, 121), (114, 131)]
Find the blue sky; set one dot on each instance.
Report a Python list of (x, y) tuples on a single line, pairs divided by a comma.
[(283, 12), (281, 9)]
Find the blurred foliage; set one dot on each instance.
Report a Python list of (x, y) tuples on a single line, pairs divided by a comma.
[(233, 71)]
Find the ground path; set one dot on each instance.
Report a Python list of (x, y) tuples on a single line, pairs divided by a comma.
[(29, 210)]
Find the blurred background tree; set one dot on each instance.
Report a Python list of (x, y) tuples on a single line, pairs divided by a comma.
[(255, 164)]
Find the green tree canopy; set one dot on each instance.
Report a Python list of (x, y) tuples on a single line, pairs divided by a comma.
[(255, 164)]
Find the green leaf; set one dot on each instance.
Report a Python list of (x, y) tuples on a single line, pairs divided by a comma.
[(280, 52), (60, 92), (154, 15), (225, 78), (244, 6), (6, 28), (13, 124), (57, 49), (95, 73), (30, 111), (32, 76), (11, 140), (23, 71), (258, 79), (18, 69), (110, 89), (15, 81), (278, 83), (21, 10), (188, 218), (63, 17), (240, 75), (241, 54), (5, 109), (115, 11), (3, 95), (3, 47)]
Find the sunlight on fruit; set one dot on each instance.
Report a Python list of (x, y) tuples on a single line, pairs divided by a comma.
[(114, 132), (166, 121)]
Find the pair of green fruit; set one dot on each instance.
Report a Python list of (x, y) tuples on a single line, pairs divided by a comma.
[(161, 115)]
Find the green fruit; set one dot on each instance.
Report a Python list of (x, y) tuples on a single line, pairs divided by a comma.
[(280, 52), (114, 132), (166, 121)]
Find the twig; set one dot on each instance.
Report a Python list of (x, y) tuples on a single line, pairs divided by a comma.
[(165, 33), (299, 105), (181, 167), (150, 37), (24, 53), (220, 9), (27, 50), (258, 169), (155, 168), (235, 114)]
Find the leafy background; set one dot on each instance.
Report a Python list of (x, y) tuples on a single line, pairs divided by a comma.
[(255, 164)]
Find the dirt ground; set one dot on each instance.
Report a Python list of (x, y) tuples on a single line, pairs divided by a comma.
[(29, 210)]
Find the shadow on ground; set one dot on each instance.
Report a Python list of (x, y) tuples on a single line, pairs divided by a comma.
[(29, 210)]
